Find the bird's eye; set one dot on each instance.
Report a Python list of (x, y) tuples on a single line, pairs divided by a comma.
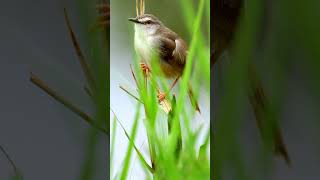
[(148, 22)]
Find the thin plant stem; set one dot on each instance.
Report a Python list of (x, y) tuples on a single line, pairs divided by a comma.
[(9, 159), (42, 85), (82, 60), (134, 76), (125, 90)]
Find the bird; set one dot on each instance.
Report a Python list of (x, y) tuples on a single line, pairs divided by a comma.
[(226, 18), (152, 37)]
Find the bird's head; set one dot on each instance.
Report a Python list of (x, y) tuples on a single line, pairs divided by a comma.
[(146, 22)]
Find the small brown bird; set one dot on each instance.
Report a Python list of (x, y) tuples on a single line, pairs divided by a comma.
[(226, 15), (152, 37)]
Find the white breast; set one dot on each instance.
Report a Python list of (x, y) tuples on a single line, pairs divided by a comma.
[(144, 42)]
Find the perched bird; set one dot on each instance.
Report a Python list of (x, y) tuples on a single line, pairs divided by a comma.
[(152, 37), (225, 20)]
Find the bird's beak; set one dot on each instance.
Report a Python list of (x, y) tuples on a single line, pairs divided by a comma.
[(133, 20)]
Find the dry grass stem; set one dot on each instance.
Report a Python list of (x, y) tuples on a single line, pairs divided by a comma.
[(42, 85), (128, 92), (140, 7), (82, 60)]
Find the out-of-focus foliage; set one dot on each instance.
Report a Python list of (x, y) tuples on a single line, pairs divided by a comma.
[(277, 37)]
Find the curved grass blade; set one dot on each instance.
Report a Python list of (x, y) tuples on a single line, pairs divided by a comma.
[(17, 174), (142, 159)]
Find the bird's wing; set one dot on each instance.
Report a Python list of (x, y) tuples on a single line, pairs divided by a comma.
[(173, 49), (166, 48), (180, 52)]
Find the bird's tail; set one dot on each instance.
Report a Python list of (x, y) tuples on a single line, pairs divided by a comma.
[(193, 100), (265, 118)]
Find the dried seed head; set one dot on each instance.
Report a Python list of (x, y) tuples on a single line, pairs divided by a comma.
[(140, 7)]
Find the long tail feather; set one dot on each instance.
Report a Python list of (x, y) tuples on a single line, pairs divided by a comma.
[(265, 118)]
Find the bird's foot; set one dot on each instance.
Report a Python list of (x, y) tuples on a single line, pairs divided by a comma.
[(161, 96), (145, 69)]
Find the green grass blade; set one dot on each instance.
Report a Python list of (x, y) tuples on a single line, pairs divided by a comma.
[(142, 159), (113, 136)]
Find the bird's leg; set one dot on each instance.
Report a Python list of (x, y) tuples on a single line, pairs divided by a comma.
[(174, 83), (146, 72), (161, 96)]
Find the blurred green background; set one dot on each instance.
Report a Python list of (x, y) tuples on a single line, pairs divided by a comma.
[(281, 38)]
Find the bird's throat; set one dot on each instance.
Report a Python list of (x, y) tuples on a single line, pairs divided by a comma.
[(145, 44)]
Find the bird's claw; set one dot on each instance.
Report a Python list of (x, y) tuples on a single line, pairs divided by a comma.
[(145, 69), (161, 96)]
